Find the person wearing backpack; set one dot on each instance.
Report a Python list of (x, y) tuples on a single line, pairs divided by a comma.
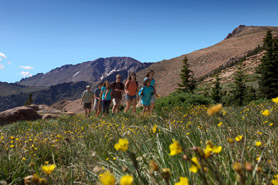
[(131, 89), (150, 75), (117, 90), (146, 93)]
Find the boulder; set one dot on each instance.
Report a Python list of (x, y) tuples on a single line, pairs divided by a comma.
[(49, 116), (17, 114)]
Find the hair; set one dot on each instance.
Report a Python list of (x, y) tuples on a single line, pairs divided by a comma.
[(118, 75), (146, 81), (100, 84), (132, 74), (148, 74), (104, 83)]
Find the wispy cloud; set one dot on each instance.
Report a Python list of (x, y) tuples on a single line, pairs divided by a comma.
[(26, 67), (3, 55), (9, 62), (25, 74), (0, 59), (2, 66)]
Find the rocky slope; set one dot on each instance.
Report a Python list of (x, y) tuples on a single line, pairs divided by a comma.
[(203, 61), (91, 71)]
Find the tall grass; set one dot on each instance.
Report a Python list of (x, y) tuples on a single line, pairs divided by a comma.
[(83, 148)]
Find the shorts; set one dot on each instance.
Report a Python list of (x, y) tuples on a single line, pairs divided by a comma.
[(87, 105), (106, 106), (96, 104), (116, 101), (128, 97), (153, 99)]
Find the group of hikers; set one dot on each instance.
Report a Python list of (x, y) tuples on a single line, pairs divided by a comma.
[(102, 96)]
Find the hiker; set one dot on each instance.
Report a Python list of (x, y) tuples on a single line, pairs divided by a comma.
[(117, 90), (97, 99), (146, 93), (106, 98), (131, 89), (150, 75), (87, 98)]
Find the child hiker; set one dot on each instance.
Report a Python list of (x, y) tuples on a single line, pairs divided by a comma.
[(146, 93)]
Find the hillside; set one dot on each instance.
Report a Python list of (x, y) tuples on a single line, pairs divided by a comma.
[(91, 71), (12, 88), (203, 61), (48, 96)]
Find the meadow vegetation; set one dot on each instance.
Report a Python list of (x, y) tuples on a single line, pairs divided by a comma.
[(195, 144)]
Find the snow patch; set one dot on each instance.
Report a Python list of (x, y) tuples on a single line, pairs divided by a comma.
[(76, 74)]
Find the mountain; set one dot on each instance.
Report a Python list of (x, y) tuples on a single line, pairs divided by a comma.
[(12, 88), (91, 71), (48, 96), (237, 44)]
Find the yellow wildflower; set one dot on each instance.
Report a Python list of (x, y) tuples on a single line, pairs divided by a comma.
[(214, 109), (270, 124), (107, 178), (11, 146), (183, 181), (154, 128), (175, 148), (258, 143), (275, 100), (220, 124), (237, 166), (126, 180), (195, 166), (216, 149), (121, 145), (23, 158), (265, 112), (48, 169), (238, 138)]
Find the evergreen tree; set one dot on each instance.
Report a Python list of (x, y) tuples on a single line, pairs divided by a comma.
[(250, 94), (188, 83), (268, 69), (216, 91), (240, 87), (29, 101)]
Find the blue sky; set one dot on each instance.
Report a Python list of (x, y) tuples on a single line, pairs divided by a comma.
[(40, 35)]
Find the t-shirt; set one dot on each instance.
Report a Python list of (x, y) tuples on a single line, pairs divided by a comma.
[(108, 97), (147, 94), (152, 81), (97, 92), (132, 87), (119, 86), (87, 96)]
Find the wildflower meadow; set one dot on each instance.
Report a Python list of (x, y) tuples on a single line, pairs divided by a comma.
[(197, 145)]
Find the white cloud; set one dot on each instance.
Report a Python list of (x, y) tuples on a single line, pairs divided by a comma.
[(9, 62), (0, 59), (2, 66), (3, 55), (26, 67), (25, 74)]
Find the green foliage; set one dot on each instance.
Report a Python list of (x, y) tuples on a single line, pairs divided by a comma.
[(188, 83), (179, 99), (29, 101), (268, 69), (217, 90)]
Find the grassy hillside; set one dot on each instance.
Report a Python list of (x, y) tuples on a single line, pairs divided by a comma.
[(206, 60), (233, 146), (12, 89)]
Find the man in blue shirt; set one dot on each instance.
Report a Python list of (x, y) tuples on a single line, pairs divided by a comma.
[(97, 102)]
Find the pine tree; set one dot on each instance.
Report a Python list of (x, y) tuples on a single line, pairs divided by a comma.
[(188, 83), (29, 101), (240, 87), (216, 91), (268, 69)]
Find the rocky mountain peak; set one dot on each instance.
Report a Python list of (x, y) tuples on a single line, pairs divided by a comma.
[(235, 31)]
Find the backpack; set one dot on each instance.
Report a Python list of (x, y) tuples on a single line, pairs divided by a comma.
[(128, 84)]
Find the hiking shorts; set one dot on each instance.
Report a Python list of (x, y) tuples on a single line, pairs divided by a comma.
[(96, 104), (153, 99), (116, 101), (87, 105), (128, 97)]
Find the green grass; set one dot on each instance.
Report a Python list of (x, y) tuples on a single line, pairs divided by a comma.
[(83, 148)]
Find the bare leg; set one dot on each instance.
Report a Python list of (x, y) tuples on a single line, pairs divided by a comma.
[(90, 110), (134, 105), (152, 107), (128, 103)]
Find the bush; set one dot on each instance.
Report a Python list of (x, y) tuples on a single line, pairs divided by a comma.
[(180, 99)]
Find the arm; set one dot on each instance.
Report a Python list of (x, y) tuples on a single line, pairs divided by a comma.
[(154, 89)]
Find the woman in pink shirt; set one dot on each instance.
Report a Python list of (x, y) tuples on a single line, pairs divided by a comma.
[(131, 89)]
